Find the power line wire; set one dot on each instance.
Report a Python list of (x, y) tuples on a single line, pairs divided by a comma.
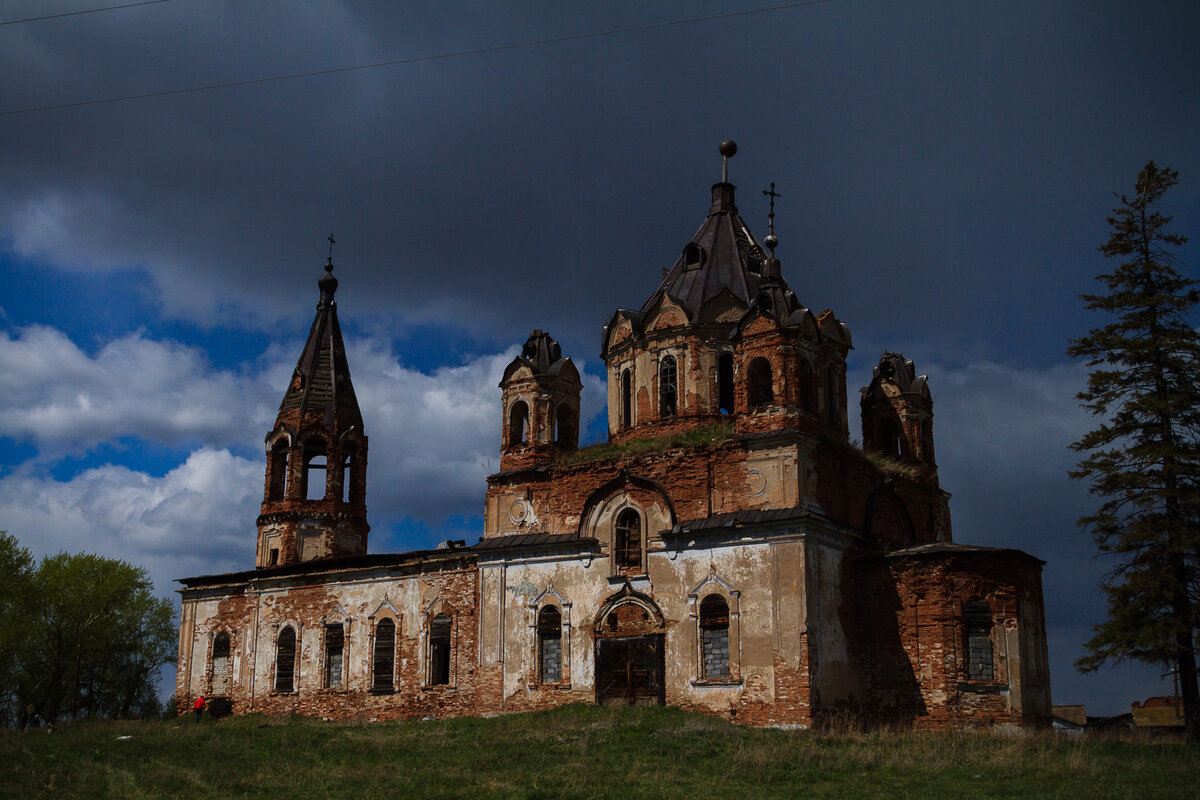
[(414, 60), (84, 11)]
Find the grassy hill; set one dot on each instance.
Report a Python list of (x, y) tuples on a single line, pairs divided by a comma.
[(580, 751)]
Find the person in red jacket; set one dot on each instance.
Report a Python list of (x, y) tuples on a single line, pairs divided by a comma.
[(198, 707)]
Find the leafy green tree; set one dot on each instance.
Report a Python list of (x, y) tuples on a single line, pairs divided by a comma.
[(88, 638), (16, 568), (1143, 460)]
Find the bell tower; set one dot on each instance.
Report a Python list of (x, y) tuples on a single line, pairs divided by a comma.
[(897, 414), (540, 402), (314, 502)]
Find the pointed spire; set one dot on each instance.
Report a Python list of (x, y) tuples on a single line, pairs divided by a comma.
[(321, 381)]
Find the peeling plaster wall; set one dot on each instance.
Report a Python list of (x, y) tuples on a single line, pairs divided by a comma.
[(254, 612)]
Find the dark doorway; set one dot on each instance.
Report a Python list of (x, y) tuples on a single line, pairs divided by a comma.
[(629, 671)]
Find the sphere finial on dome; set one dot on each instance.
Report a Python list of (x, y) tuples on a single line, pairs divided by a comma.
[(728, 150)]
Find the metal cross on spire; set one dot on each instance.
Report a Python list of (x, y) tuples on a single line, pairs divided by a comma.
[(772, 240), (332, 242)]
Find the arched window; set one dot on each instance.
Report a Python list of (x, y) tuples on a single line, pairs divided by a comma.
[(887, 438), (626, 399), (693, 256), (977, 622), (439, 650), (807, 387), (349, 473), (714, 638), (628, 544), (667, 387), (335, 640), (314, 468), (564, 427), (725, 383), (833, 398), (220, 665), (759, 389), (549, 631), (383, 662), (518, 423), (285, 660), (277, 489)]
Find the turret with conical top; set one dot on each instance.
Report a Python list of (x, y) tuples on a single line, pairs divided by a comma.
[(314, 503)]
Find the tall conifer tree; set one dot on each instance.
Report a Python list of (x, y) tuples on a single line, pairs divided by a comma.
[(1143, 460)]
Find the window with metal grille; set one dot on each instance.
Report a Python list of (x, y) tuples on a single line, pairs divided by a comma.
[(439, 650), (628, 545), (285, 660), (220, 665), (549, 628), (759, 388), (334, 646), (714, 638), (384, 657), (667, 386), (977, 620)]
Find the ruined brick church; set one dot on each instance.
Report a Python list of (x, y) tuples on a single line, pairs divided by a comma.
[(729, 550)]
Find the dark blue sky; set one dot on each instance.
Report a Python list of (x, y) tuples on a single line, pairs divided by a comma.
[(946, 169)]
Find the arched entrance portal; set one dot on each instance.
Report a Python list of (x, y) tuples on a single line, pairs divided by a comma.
[(630, 651)]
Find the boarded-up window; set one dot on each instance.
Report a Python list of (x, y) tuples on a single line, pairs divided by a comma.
[(549, 627), (759, 389), (439, 650), (977, 620), (334, 647), (714, 638), (628, 544), (220, 665), (667, 387), (285, 660), (384, 666)]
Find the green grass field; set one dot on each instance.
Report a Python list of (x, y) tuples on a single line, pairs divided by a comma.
[(580, 752)]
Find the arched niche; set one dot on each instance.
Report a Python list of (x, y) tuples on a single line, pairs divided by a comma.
[(625, 495)]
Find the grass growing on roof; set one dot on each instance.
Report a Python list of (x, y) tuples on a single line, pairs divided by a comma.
[(606, 451)]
